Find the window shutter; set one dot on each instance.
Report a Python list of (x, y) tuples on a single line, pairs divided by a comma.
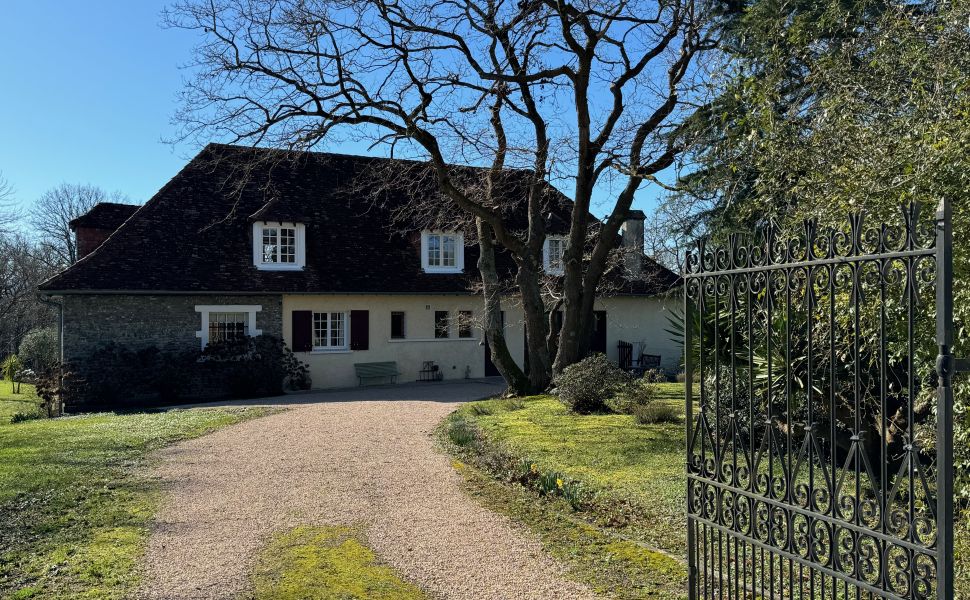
[(359, 329), (302, 330)]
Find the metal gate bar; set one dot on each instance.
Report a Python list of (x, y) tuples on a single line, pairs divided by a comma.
[(812, 472)]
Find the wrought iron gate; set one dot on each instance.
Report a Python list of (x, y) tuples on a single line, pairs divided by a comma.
[(820, 432)]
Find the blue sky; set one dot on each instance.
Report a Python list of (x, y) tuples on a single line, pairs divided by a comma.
[(87, 94)]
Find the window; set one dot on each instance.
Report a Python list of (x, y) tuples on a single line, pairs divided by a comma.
[(464, 323), (329, 331), (225, 326), (553, 251), (441, 324), (397, 326), (442, 252), (226, 322), (279, 246)]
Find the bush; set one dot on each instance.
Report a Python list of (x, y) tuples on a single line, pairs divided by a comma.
[(255, 366), (587, 386), (462, 433), (20, 417), (115, 376), (39, 349), (637, 393), (649, 414)]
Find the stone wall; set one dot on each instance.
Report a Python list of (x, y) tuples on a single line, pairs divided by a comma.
[(167, 322)]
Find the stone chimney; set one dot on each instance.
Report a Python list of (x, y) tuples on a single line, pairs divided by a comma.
[(632, 243)]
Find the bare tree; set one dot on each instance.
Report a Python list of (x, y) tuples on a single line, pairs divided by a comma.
[(591, 93), (53, 212), (22, 269), (8, 212)]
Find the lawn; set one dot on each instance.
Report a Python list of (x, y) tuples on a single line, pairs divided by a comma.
[(634, 473), (26, 402), (76, 503)]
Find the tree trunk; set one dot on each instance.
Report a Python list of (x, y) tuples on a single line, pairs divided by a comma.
[(536, 327), (494, 332)]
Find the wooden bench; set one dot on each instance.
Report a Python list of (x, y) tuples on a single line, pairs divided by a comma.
[(376, 370)]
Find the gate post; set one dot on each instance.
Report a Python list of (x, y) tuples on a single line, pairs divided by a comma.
[(945, 369)]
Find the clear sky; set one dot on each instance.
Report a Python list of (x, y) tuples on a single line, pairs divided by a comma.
[(87, 93)]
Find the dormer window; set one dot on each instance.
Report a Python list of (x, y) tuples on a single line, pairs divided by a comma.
[(279, 246), (552, 255), (442, 252)]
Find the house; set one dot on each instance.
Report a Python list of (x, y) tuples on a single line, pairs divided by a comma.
[(247, 241)]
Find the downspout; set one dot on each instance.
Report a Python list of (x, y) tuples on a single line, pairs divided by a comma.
[(44, 298)]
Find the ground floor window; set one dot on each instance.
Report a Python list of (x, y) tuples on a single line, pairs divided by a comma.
[(329, 331), (397, 326), (465, 324), (225, 326), (441, 324), (226, 322)]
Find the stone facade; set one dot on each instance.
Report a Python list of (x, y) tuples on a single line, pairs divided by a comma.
[(167, 322)]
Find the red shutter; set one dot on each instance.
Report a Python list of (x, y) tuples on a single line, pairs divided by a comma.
[(359, 330), (302, 330)]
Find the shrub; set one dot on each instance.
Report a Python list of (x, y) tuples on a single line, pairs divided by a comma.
[(637, 393), (115, 376), (39, 349), (20, 417), (588, 385), (649, 414), (462, 433)]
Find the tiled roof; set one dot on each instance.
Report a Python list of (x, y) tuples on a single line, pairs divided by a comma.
[(195, 234)]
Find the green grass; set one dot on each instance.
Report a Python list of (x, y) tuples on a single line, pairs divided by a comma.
[(638, 466), (26, 402), (635, 473), (318, 563), (629, 539), (75, 502)]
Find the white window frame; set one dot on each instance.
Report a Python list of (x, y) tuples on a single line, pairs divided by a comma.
[(547, 255), (328, 348), (459, 265), (300, 240), (206, 309)]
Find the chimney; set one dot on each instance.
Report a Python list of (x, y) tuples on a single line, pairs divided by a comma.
[(95, 226), (632, 232)]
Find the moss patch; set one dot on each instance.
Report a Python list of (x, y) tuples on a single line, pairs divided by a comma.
[(317, 563)]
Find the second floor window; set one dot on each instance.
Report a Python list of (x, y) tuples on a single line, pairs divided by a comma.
[(278, 246), (442, 251), (554, 250)]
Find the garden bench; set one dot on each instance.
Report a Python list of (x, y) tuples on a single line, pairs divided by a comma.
[(376, 370)]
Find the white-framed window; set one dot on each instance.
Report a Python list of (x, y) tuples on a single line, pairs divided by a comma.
[(279, 246), (330, 331), (552, 254), (223, 322), (442, 251)]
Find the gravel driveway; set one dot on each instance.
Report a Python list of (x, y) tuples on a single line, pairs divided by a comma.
[(362, 457)]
